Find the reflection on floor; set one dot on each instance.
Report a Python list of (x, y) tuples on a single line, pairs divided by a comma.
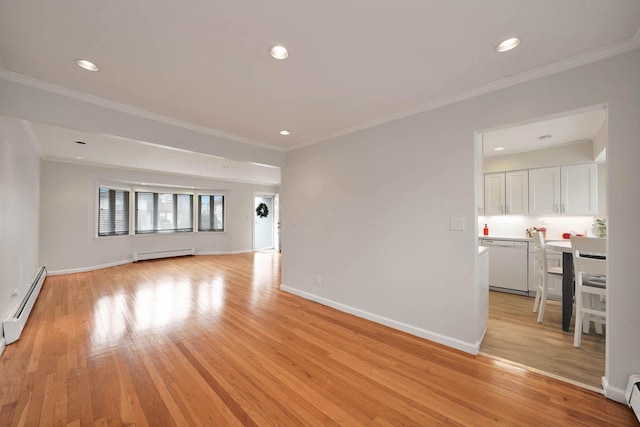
[(514, 334)]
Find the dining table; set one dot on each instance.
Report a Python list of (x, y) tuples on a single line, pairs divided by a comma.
[(564, 246)]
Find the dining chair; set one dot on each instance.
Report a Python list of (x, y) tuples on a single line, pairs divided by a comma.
[(543, 274), (590, 269)]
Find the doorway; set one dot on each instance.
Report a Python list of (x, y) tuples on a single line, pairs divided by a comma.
[(264, 221), (571, 139)]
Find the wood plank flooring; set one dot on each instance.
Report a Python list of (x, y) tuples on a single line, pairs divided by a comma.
[(212, 341), (514, 334)]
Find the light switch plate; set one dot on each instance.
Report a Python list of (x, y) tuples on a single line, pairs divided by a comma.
[(457, 224)]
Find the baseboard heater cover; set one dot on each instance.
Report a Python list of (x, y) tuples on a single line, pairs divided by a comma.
[(142, 256), (13, 325), (633, 394)]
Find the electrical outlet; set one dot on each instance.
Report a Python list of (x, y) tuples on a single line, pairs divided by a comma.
[(318, 280)]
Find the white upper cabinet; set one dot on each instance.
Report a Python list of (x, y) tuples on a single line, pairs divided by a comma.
[(544, 191), (506, 193), (579, 189), (566, 190)]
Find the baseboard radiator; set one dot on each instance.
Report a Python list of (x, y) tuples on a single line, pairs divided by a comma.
[(633, 394), (142, 256), (13, 325)]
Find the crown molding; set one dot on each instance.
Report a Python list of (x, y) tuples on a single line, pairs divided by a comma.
[(524, 77), (102, 102)]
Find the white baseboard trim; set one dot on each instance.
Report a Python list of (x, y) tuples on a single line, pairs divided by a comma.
[(613, 393), (2, 345), (213, 253), (413, 330), (91, 268), (130, 260), (242, 251)]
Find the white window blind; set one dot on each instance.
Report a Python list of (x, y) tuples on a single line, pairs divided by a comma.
[(113, 212), (163, 212), (211, 213)]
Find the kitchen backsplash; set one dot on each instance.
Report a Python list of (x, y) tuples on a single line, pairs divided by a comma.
[(516, 225)]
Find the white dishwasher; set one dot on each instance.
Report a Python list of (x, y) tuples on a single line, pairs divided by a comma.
[(507, 265)]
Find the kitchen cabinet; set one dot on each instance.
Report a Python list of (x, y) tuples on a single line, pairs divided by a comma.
[(565, 190), (506, 193)]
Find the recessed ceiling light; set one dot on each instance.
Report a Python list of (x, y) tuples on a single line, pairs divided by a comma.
[(285, 132), (543, 137), (225, 167), (87, 65), (80, 142), (78, 157), (279, 52), (508, 44), (498, 149)]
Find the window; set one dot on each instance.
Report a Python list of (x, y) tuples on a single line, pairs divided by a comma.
[(113, 212), (211, 213), (163, 212)]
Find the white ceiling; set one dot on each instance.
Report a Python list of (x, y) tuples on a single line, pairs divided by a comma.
[(560, 131), (60, 144), (352, 63)]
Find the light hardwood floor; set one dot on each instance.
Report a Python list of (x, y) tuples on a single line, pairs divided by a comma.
[(514, 334), (211, 340)]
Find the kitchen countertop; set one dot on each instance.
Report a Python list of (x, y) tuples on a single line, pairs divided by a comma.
[(518, 238)]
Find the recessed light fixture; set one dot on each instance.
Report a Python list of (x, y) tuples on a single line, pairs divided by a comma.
[(498, 149), (285, 132), (279, 52), (543, 137), (87, 65), (78, 157), (225, 167), (81, 142), (508, 44)]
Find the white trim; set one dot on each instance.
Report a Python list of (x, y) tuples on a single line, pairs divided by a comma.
[(102, 102), (613, 393), (524, 77), (86, 269), (410, 329), (130, 261), (3, 345)]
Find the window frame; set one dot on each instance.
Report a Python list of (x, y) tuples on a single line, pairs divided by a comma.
[(197, 212), (114, 187), (156, 191)]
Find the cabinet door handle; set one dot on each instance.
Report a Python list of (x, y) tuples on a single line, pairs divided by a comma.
[(555, 208), (506, 210), (563, 210)]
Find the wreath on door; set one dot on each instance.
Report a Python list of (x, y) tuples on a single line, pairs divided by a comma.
[(262, 210)]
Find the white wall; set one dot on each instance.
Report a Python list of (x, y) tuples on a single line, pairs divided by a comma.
[(19, 210), (68, 218), (370, 211)]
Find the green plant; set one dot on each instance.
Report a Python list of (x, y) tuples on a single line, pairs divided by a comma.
[(601, 227)]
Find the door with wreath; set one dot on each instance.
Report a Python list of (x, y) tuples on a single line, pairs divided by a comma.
[(263, 223)]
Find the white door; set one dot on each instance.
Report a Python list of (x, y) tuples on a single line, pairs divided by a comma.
[(263, 216)]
